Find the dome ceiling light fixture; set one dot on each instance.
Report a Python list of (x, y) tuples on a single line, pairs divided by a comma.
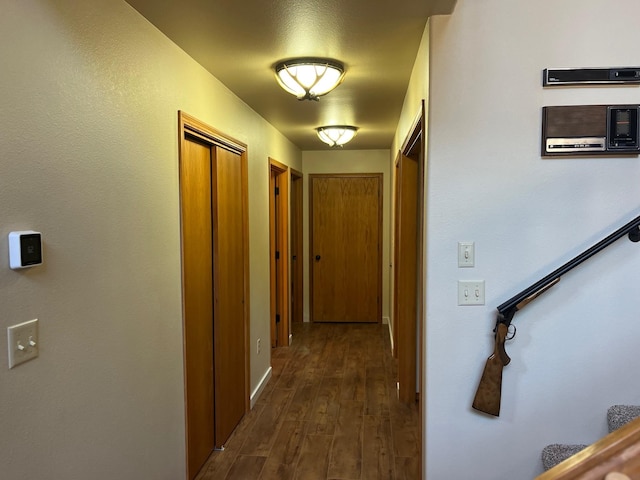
[(309, 78), (336, 135)]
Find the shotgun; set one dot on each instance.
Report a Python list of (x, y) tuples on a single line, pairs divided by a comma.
[(489, 392)]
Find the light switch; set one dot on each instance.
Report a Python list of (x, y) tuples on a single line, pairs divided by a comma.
[(466, 254), (471, 293), (23, 342)]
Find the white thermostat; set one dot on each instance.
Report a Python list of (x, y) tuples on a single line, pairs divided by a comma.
[(25, 249)]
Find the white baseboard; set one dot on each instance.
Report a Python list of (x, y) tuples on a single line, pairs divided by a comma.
[(263, 383), (387, 321)]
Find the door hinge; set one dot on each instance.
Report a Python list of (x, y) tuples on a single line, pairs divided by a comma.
[(277, 255), (277, 191), (277, 318)]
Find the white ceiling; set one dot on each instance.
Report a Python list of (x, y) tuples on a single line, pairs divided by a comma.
[(239, 42)]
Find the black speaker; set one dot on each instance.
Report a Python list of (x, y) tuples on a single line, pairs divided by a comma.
[(590, 76), (590, 130)]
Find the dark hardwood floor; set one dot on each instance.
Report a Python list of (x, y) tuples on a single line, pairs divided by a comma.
[(330, 411)]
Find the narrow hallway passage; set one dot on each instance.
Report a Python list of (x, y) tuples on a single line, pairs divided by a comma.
[(329, 412)]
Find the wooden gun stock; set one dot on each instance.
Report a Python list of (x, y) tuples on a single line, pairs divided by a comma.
[(489, 390)]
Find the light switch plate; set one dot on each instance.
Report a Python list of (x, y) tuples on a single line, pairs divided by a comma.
[(471, 293), (466, 254), (23, 342)]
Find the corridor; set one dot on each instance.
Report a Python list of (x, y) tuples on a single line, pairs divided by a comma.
[(329, 412)]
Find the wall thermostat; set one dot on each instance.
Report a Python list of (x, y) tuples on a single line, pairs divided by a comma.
[(25, 249)]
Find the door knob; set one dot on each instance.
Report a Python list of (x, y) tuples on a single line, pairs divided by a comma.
[(317, 258)]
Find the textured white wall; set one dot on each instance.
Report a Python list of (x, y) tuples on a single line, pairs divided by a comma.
[(350, 161), (576, 349), (89, 157)]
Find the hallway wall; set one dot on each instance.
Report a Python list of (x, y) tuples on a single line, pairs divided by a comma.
[(487, 183), (90, 95)]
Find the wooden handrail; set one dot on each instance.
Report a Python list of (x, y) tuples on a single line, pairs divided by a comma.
[(618, 452)]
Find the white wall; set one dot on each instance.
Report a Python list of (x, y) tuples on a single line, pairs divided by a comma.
[(350, 161), (89, 157), (576, 352)]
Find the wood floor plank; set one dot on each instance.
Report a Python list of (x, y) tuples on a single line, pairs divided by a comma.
[(282, 460), (335, 364), (266, 426), (314, 458), (326, 407), (346, 450), (246, 466), (353, 379), (376, 392), (405, 431), (407, 468), (377, 458), (301, 406)]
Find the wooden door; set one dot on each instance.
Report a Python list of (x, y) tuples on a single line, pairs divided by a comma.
[(296, 247), (279, 245), (345, 248), (406, 276), (197, 270), (229, 293), (215, 279)]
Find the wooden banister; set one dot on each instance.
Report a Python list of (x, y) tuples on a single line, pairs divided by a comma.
[(618, 452)]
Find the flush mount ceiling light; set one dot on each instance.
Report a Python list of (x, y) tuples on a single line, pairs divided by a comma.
[(309, 78), (336, 135)]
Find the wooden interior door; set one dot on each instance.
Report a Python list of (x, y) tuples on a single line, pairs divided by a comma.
[(345, 247), (279, 245), (215, 276), (406, 276), (296, 247), (229, 328), (197, 281)]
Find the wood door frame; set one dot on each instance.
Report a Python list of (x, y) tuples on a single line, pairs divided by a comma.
[(279, 251), (189, 125), (297, 245), (415, 144), (380, 176), (396, 252)]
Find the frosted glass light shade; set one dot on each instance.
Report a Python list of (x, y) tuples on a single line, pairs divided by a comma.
[(336, 135), (309, 78)]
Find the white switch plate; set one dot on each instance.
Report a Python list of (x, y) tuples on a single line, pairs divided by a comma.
[(471, 293), (466, 254), (23, 342)]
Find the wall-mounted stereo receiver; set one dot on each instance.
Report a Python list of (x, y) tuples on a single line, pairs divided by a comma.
[(590, 76), (590, 130)]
